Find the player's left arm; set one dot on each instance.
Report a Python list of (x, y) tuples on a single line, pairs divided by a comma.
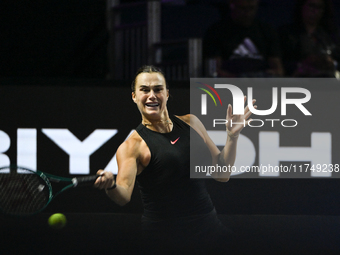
[(227, 156)]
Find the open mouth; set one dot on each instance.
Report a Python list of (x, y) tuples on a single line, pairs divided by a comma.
[(152, 104)]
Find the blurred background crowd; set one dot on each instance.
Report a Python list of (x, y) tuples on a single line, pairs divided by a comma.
[(110, 39), (243, 45)]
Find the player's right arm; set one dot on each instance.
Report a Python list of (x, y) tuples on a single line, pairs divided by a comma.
[(128, 155)]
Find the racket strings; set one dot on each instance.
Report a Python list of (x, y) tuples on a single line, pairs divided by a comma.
[(22, 193)]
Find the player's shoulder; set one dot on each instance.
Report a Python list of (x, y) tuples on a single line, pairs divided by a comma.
[(131, 145), (192, 121), (184, 118), (195, 123)]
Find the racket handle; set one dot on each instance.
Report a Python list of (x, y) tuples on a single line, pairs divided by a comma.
[(84, 180)]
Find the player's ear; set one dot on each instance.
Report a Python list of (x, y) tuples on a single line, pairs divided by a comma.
[(133, 96), (167, 94)]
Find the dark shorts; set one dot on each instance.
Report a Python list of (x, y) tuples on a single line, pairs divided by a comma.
[(196, 234)]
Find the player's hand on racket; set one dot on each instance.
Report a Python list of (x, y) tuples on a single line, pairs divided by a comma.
[(240, 120), (106, 180)]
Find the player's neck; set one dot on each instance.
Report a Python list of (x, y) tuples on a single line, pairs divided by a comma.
[(161, 125)]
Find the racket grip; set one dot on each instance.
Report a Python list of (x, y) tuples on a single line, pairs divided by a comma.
[(84, 180)]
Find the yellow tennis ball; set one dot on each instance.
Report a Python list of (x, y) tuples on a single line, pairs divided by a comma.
[(57, 221)]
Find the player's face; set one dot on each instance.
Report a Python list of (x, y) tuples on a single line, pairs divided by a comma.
[(151, 94)]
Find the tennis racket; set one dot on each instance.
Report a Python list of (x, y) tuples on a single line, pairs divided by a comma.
[(24, 192)]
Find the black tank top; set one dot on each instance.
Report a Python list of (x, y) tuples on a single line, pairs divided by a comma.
[(166, 187)]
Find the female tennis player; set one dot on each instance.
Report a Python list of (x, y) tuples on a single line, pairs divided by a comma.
[(179, 215)]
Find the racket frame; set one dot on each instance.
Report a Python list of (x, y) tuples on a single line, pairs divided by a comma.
[(48, 178)]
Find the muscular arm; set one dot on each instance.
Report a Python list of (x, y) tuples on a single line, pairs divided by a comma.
[(227, 156), (128, 156)]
